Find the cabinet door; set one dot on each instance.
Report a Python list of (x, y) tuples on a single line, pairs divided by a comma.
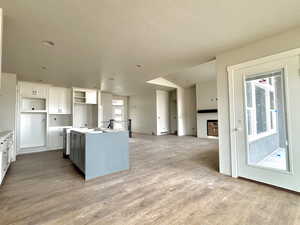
[(91, 97), (53, 100), (72, 144), (59, 100), (33, 130), (66, 101), (33, 90), (82, 153), (55, 138)]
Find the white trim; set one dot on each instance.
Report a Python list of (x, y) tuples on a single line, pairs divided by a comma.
[(231, 70), (232, 132), (266, 59), (37, 150)]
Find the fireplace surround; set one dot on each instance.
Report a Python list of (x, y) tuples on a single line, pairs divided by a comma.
[(212, 128)]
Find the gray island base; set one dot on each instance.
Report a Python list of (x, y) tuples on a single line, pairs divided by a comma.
[(99, 152)]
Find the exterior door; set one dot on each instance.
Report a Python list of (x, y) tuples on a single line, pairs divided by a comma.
[(264, 101), (118, 113)]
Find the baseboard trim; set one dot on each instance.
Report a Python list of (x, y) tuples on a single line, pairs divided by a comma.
[(36, 150)]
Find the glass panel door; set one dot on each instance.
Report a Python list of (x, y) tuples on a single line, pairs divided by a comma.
[(118, 114), (266, 121)]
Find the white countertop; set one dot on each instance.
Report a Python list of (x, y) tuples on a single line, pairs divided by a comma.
[(94, 130), (4, 134)]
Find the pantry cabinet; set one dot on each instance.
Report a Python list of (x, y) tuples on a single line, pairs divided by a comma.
[(59, 100)]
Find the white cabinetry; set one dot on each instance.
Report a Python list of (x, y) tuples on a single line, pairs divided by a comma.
[(33, 90), (85, 96), (55, 137), (6, 149), (59, 100), (91, 97)]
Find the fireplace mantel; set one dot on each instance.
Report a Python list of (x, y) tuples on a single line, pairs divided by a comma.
[(207, 110)]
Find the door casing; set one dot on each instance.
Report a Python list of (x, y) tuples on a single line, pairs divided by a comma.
[(231, 73)]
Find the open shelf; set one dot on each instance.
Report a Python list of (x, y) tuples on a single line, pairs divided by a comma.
[(33, 105), (34, 111), (80, 100)]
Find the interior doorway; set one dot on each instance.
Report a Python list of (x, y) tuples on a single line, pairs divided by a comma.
[(173, 112)]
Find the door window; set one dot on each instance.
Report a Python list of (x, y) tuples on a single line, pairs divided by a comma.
[(118, 113), (265, 111)]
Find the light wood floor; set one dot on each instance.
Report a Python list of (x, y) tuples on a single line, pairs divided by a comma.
[(172, 181)]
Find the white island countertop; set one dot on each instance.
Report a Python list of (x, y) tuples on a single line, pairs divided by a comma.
[(94, 130)]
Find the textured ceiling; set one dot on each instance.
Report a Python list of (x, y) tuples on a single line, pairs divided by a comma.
[(98, 43)]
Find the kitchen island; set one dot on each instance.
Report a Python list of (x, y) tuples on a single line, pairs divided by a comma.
[(99, 152)]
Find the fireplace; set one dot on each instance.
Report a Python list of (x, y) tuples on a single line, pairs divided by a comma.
[(212, 128)]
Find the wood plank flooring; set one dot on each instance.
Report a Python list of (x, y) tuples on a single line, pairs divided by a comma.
[(172, 181)]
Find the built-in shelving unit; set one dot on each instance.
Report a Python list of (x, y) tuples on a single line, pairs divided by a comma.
[(45, 110), (80, 97), (85, 107), (33, 105)]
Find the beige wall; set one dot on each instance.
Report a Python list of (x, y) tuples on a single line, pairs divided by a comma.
[(206, 93), (186, 110), (269, 46), (142, 111), (8, 102)]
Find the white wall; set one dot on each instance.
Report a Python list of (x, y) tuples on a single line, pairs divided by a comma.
[(8, 102), (125, 99), (186, 107), (206, 94), (106, 107), (142, 111), (269, 46), (162, 112), (106, 102)]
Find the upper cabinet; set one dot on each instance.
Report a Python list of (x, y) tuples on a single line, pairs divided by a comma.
[(85, 96), (60, 100), (91, 97), (1, 31), (33, 90)]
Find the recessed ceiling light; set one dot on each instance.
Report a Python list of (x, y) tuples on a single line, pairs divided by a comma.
[(138, 65), (48, 43)]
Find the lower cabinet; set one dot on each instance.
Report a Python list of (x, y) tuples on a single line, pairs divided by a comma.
[(6, 149), (55, 137), (77, 150)]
